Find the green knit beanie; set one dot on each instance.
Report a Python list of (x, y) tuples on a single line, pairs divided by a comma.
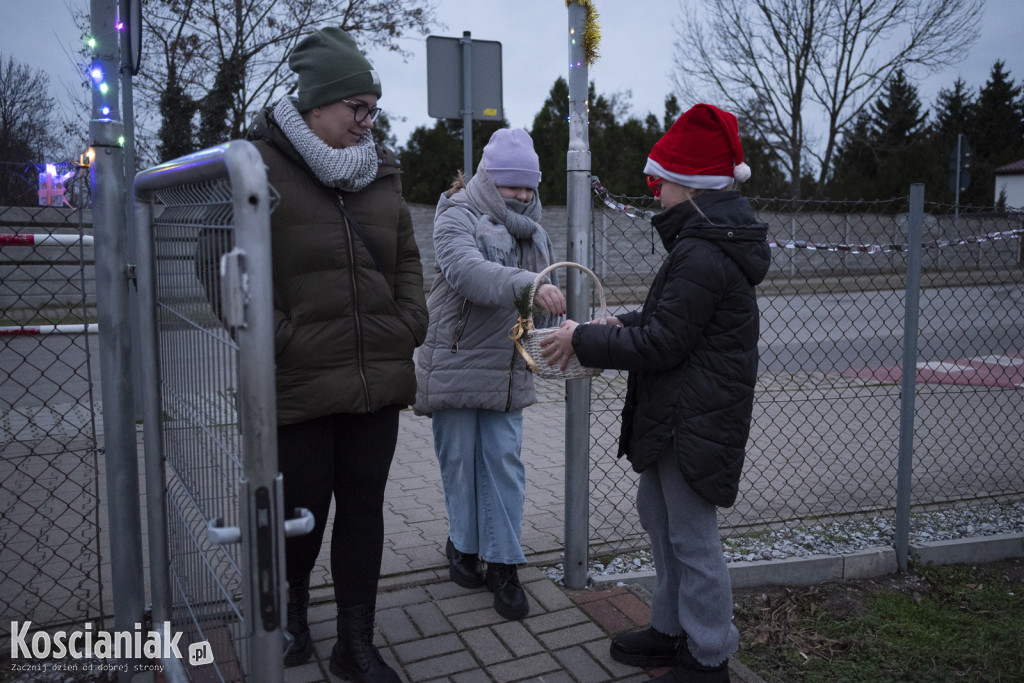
[(331, 68)]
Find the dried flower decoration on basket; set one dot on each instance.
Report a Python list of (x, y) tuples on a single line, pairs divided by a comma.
[(528, 339)]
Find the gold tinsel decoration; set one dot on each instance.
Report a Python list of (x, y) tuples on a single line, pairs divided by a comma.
[(591, 31)]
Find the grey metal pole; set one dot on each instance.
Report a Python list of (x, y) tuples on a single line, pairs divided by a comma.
[(577, 392), (112, 283), (904, 470), (467, 104), (128, 111)]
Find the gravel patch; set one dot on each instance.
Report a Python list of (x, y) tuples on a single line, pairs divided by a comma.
[(838, 538)]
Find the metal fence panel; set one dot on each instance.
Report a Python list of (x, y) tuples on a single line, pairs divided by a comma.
[(206, 299), (51, 558), (825, 432)]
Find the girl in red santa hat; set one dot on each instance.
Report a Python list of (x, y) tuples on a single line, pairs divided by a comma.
[(691, 353)]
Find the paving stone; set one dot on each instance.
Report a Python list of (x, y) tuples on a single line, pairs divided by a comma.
[(476, 618), (550, 621), (429, 619), (548, 595), (608, 616), (598, 649), (476, 676), (396, 626), (517, 638), (582, 665), (519, 668), (633, 607), (486, 646), (441, 666), (428, 647), (466, 603), (400, 598), (573, 635)]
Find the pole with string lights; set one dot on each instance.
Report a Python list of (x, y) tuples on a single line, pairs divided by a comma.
[(582, 39), (113, 279)]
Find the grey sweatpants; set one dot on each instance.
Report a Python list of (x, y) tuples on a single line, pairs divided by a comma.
[(692, 590)]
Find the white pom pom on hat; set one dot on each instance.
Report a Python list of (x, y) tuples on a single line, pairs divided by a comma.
[(702, 149)]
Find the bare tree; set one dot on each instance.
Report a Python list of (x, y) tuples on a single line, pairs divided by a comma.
[(782, 63), (26, 110), (209, 65)]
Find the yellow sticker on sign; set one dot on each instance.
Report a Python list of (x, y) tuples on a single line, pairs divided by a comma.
[(490, 111)]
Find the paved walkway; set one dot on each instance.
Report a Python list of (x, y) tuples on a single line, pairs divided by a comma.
[(430, 629), (442, 632)]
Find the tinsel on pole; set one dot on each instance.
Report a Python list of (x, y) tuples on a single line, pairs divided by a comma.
[(591, 31)]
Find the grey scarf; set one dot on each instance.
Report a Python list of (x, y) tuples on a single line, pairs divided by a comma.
[(349, 169)]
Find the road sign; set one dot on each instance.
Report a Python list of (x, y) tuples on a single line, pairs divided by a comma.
[(445, 85)]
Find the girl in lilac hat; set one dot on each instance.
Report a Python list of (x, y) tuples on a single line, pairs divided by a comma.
[(489, 244)]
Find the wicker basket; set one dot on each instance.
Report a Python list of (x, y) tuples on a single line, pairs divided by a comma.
[(528, 339)]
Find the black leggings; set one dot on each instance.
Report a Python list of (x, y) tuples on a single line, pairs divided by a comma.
[(347, 456)]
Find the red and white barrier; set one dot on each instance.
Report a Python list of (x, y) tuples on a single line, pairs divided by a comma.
[(91, 328), (44, 240)]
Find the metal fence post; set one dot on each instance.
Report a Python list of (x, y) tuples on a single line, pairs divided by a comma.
[(577, 392), (112, 307), (909, 383)]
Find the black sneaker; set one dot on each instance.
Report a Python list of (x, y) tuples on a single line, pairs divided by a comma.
[(689, 670), (509, 596), (648, 648), (464, 568)]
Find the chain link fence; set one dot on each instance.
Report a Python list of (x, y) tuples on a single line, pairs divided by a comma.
[(825, 430), (50, 512)]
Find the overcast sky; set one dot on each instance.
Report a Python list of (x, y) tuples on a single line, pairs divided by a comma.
[(635, 51)]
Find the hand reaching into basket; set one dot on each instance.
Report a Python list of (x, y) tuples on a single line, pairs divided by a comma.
[(551, 299)]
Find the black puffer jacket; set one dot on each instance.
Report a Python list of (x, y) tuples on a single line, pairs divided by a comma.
[(349, 307), (692, 350)]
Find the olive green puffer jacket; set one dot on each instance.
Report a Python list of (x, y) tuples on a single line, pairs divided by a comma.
[(349, 307)]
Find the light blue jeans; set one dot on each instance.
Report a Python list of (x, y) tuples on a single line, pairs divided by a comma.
[(692, 590), (484, 480)]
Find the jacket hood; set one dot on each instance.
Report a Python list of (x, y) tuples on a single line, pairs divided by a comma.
[(728, 222)]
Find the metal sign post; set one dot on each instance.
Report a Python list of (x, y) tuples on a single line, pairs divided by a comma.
[(476, 94)]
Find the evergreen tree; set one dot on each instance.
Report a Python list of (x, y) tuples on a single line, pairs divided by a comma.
[(433, 156), (997, 136), (887, 149), (954, 115), (550, 135)]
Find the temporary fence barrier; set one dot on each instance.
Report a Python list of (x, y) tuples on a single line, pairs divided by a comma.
[(213, 490)]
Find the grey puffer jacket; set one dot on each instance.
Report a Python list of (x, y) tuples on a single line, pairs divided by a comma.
[(468, 359)]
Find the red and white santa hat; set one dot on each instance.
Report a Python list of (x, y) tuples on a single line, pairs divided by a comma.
[(701, 150)]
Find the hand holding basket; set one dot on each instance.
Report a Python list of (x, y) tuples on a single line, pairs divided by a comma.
[(528, 339)]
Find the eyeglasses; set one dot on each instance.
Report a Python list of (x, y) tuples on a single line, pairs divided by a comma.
[(654, 183), (362, 110)]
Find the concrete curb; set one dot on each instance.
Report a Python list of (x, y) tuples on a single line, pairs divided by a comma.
[(805, 571)]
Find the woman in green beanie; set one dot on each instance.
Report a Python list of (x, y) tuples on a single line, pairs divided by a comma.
[(349, 310)]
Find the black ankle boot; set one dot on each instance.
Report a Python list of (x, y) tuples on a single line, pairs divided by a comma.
[(509, 596), (354, 656), (648, 648), (301, 648), (464, 568)]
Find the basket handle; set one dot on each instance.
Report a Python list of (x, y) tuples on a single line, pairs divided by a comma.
[(597, 284)]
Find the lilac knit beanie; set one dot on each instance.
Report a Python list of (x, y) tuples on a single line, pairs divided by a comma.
[(509, 159)]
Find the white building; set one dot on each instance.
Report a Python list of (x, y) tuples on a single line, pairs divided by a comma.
[(1010, 181)]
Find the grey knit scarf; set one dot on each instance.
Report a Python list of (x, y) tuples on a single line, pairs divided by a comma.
[(349, 169)]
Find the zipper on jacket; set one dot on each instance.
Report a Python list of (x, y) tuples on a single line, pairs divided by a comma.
[(460, 326), (355, 307)]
